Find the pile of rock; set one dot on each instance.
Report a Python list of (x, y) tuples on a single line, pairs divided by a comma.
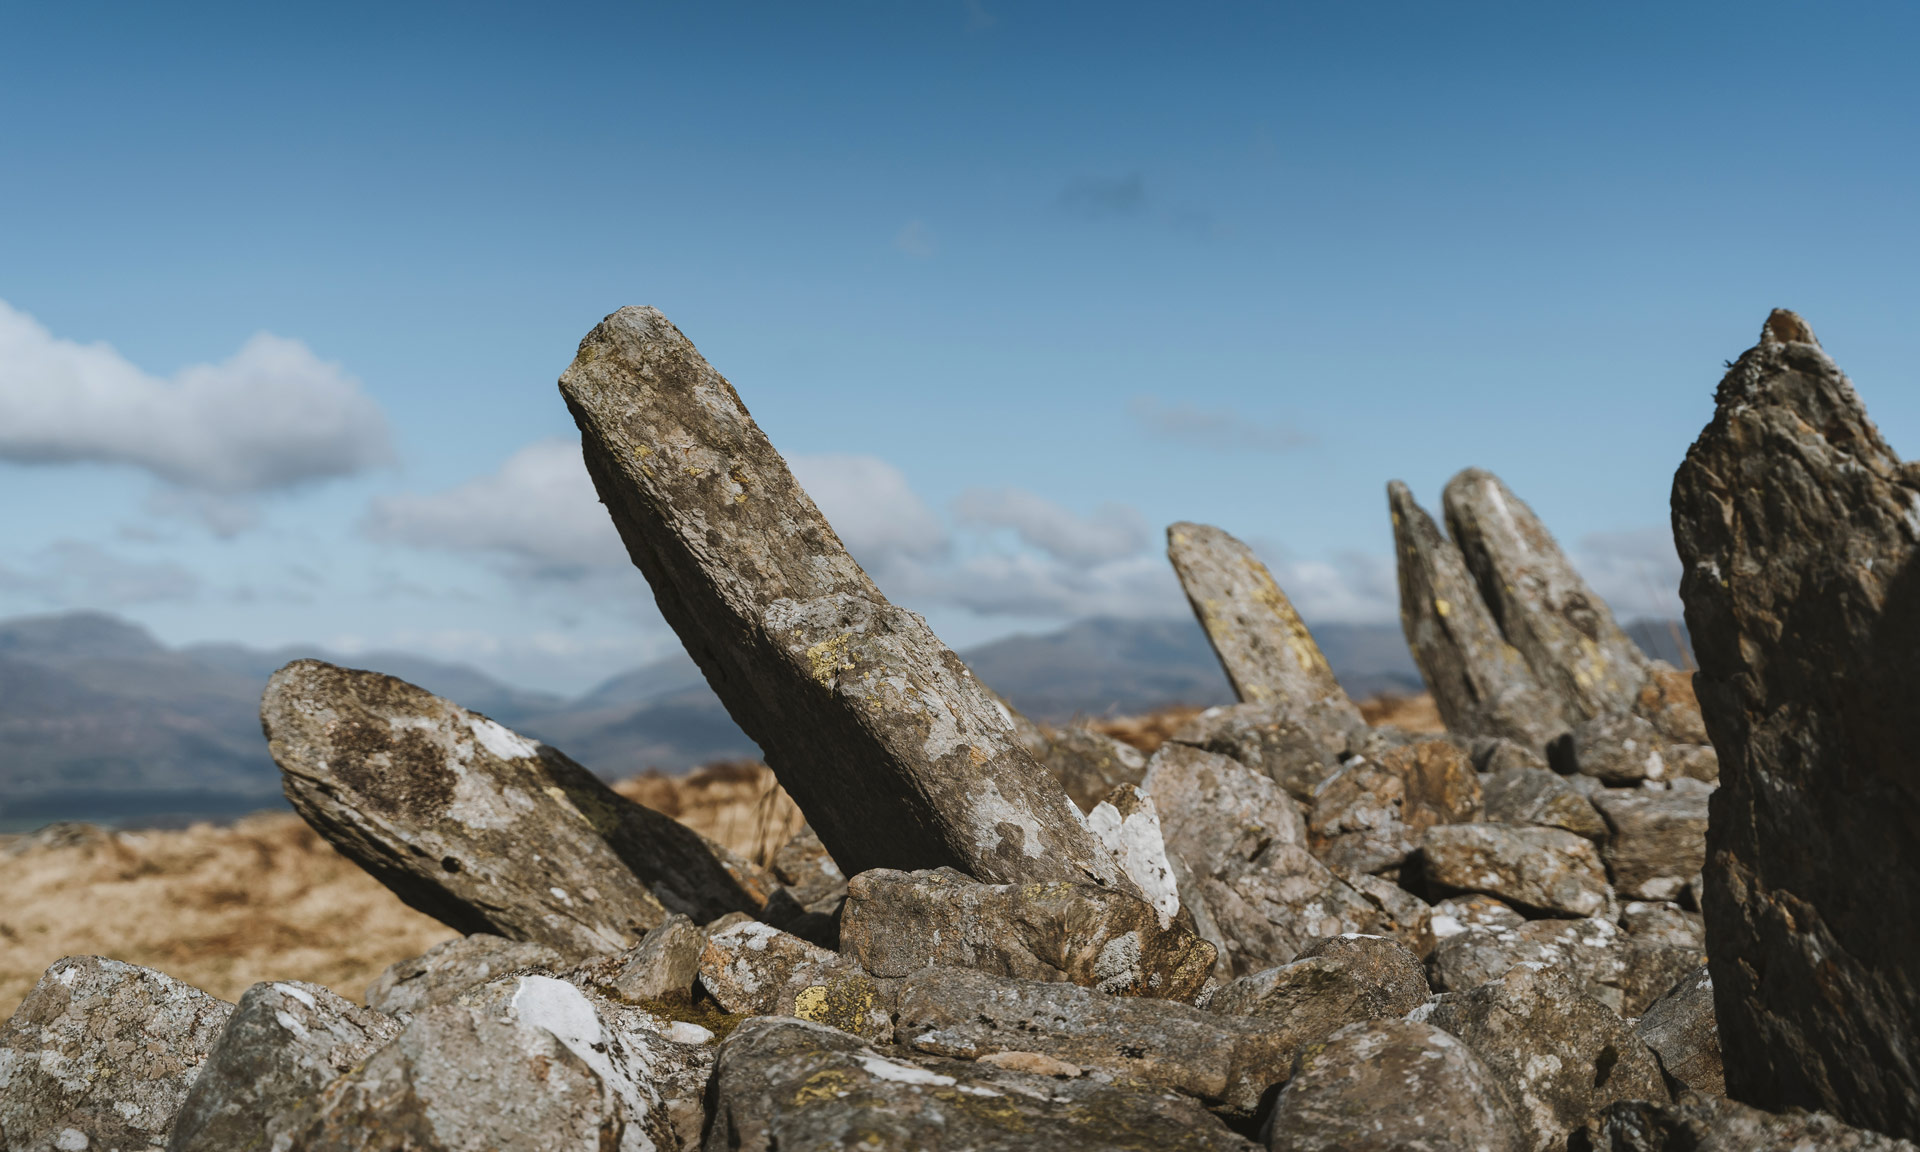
[(1285, 927)]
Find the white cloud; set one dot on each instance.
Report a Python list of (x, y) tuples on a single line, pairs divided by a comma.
[(76, 574), (1637, 572), (1350, 587), (1113, 532), (876, 513), (271, 416), (1023, 584), (1216, 431)]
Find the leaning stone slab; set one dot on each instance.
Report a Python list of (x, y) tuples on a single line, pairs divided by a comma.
[(1544, 608), (896, 923), (441, 973), (1680, 1029), (100, 1055), (481, 828), (1393, 1086), (1698, 1123), (789, 1084), (284, 1043), (1797, 528), (1268, 654), (1481, 684), (898, 757), (1547, 869)]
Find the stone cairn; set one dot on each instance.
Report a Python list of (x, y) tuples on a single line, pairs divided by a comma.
[(1287, 928)]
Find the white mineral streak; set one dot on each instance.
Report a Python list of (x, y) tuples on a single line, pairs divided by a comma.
[(559, 1009), (1135, 840), (501, 741), (1118, 965), (881, 1068), (298, 993), (687, 1032), (990, 809)]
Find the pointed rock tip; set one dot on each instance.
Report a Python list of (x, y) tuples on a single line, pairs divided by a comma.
[(1786, 327)]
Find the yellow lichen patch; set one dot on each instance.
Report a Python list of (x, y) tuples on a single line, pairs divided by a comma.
[(828, 658), (1441, 606), (811, 1004), (826, 1084)]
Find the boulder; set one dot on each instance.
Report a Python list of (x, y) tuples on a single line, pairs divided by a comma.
[(1560, 1055), (1714, 1124), (1334, 982), (1481, 684), (807, 871), (665, 964), (1662, 922), (897, 923), (1549, 870), (1667, 699), (100, 1054), (1563, 630), (1456, 914), (1680, 1029), (790, 1084), (1400, 914), (1615, 968), (1441, 785), (1524, 795), (1356, 820), (1619, 749), (1657, 841), (478, 826), (1393, 1086), (1264, 738), (283, 1044), (1090, 764), (897, 755), (752, 969), (444, 971)]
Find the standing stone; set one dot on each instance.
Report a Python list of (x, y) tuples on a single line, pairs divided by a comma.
[(1797, 528), (1543, 607), (1268, 654), (1480, 683), (898, 757), (481, 828)]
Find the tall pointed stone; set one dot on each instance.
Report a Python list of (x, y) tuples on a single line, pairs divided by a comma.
[(898, 757), (1268, 654), (1480, 683), (1544, 608), (1799, 536)]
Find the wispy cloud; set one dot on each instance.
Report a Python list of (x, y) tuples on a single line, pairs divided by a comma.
[(76, 574), (1101, 197), (1220, 430)]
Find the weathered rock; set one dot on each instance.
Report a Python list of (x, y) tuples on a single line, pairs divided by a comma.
[(1615, 748), (1620, 971), (1127, 824), (1441, 785), (1520, 795), (481, 828), (896, 923), (1242, 842), (806, 868), (1356, 820), (1263, 737), (1714, 1124), (1393, 1086), (1692, 762), (1402, 916), (1658, 841), (899, 758), (1659, 922), (538, 1069), (1090, 764), (1268, 654), (789, 1084), (1229, 1061), (100, 1054), (1667, 699), (1680, 1029), (283, 1044), (665, 964), (1334, 982), (1481, 684), (1564, 631), (1546, 869), (752, 969), (1456, 914), (444, 971), (1560, 1055)]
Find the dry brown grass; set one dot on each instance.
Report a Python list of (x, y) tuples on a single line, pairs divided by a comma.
[(1413, 713), (1146, 732), (737, 803)]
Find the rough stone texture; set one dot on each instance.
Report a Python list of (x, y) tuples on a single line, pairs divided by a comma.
[(1796, 526), (1128, 825), (1393, 1086), (481, 828), (1402, 915), (1547, 869), (897, 755), (1712, 1124), (1620, 971), (1441, 785), (1560, 1055), (1334, 982), (1680, 1029), (1616, 748), (1242, 843), (1522, 795), (442, 972), (896, 923), (1262, 737), (1268, 654), (1223, 1060), (1658, 841), (754, 970), (1667, 699), (1564, 631), (665, 964), (1456, 914), (805, 867), (789, 1084), (100, 1054), (1091, 764), (1356, 820), (1481, 684), (536, 1069), (283, 1045), (1659, 922)]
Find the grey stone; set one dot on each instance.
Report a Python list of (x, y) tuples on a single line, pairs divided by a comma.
[(1712, 1124), (897, 755), (1667, 699), (790, 1084), (1658, 839), (1660, 922), (1455, 914), (283, 1044), (665, 964), (444, 971), (1547, 869), (1561, 627), (1616, 748), (752, 969), (478, 826), (1263, 737), (1401, 915), (1393, 1086), (1334, 982), (805, 867), (100, 1055), (1356, 820), (897, 923), (1680, 1029), (1268, 654), (1616, 969), (1523, 795), (1481, 684), (1090, 764), (1560, 1055)]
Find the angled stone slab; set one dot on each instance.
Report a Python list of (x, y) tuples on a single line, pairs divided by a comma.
[(1797, 528), (1481, 684), (478, 826), (1545, 610), (1268, 654), (897, 755)]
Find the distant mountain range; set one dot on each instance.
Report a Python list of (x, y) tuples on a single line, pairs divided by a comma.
[(100, 721)]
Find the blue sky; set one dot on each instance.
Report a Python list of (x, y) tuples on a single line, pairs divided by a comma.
[(1015, 286)]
